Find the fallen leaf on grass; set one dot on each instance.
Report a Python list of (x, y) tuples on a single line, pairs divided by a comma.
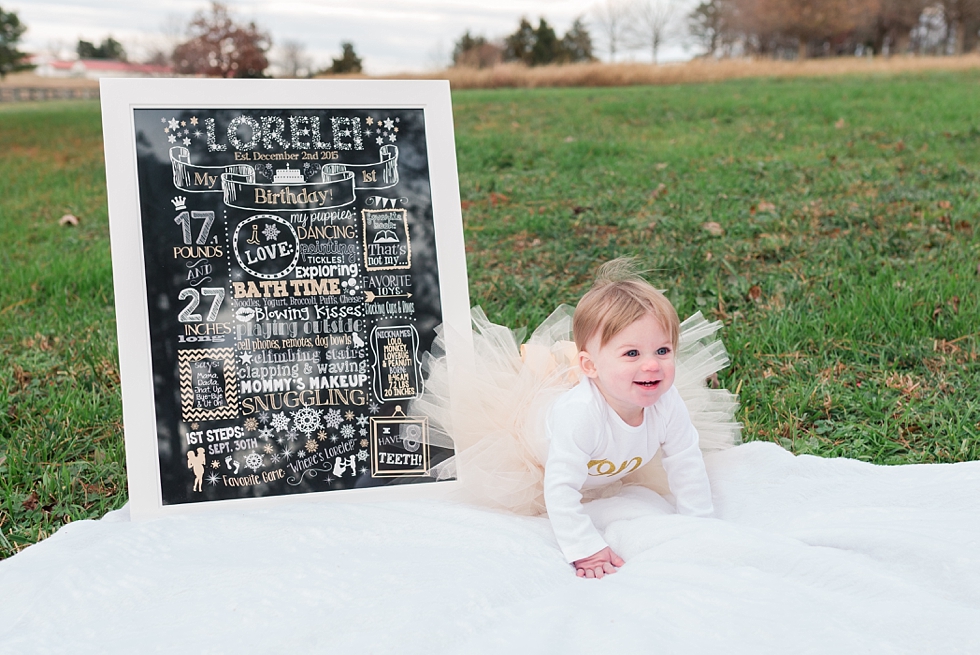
[(713, 228), (497, 198), (945, 204), (766, 206), (755, 292), (840, 123), (662, 165), (68, 219), (22, 377), (661, 190), (31, 502), (465, 204)]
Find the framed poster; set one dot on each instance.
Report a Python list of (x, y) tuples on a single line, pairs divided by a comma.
[(283, 252)]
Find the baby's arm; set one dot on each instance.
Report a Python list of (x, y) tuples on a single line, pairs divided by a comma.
[(565, 473), (682, 460)]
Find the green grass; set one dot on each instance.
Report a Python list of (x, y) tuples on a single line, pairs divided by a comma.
[(61, 450), (845, 270)]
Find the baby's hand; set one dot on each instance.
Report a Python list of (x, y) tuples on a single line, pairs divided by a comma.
[(599, 564)]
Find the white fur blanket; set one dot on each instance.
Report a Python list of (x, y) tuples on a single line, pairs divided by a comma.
[(806, 555)]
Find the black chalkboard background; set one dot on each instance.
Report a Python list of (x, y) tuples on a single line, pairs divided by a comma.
[(292, 288)]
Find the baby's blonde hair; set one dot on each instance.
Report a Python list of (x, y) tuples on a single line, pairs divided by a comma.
[(619, 297)]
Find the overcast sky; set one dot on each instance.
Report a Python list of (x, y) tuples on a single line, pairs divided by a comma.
[(389, 35)]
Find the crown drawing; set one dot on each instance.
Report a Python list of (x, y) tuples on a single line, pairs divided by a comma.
[(179, 201)]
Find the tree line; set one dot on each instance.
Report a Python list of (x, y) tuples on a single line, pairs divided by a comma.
[(215, 43), (726, 28), (807, 28)]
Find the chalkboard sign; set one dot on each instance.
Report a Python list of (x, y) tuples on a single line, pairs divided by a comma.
[(283, 253)]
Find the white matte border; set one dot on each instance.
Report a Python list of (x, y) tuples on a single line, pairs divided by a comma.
[(119, 98)]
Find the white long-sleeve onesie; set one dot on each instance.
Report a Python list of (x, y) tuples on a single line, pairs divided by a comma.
[(591, 446)]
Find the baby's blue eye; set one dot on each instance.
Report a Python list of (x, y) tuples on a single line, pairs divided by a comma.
[(663, 351), (632, 353)]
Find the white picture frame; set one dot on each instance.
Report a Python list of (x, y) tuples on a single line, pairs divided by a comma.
[(122, 99)]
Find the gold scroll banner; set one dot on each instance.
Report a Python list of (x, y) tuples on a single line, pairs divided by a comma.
[(202, 179), (381, 174), (336, 190)]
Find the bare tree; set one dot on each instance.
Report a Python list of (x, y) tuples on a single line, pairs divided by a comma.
[(959, 14), (809, 21), (612, 23), (293, 60), (220, 47), (652, 24), (889, 28)]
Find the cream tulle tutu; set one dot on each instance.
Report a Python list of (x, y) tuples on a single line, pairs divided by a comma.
[(495, 419)]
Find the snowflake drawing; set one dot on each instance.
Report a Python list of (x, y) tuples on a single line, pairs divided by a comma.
[(364, 443), (268, 449), (275, 458), (186, 141), (307, 419), (379, 141), (172, 139), (280, 422), (291, 435), (347, 431), (334, 438), (349, 416), (265, 433), (374, 407), (389, 123), (287, 453), (363, 432), (173, 124), (321, 435), (310, 446), (251, 424), (263, 417), (391, 137), (369, 120), (270, 232), (362, 420), (362, 455), (333, 418), (363, 471), (213, 479), (253, 461)]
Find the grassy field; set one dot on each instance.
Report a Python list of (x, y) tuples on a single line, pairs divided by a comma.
[(833, 224)]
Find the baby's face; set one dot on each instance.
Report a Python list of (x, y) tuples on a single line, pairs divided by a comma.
[(633, 369)]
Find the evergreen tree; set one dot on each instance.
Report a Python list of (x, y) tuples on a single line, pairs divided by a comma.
[(108, 49), (349, 62), (518, 46), (467, 43), (576, 45), (547, 47), (11, 29)]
